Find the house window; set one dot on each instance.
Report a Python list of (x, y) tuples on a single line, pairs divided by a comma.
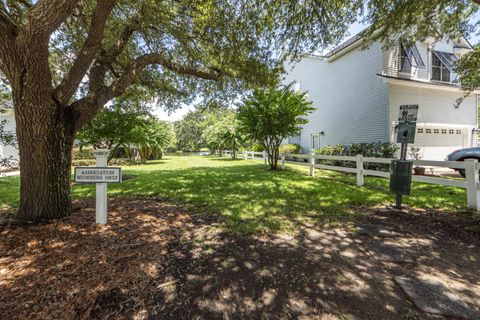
[(444, 131), (443, 64), (409, 56), (439, 71), (451, 131), (428, 130), (315, 141), (459, 131), (436, 131), (405, 64), (420, 130)]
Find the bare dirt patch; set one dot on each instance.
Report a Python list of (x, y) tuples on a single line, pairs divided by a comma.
[(155, 260)]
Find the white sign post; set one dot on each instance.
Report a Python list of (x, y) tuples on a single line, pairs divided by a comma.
[(101, 157), (100, 175)]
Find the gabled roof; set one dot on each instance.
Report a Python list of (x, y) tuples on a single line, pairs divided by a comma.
[(359, 36), (346, 44)]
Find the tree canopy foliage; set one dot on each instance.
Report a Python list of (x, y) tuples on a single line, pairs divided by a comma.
[(188, 131), (222, 131), (65, 59), (271, 115), (123, 125)]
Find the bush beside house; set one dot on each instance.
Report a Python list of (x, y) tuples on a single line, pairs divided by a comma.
[(372, 149), (289, 149)]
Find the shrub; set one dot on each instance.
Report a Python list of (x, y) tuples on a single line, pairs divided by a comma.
[(82, 154), (92, 162), (257, 147), (372, 149), (8, 164), (83, 162), (289, 149)]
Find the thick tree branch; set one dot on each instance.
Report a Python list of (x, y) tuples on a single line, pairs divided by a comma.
[(86, 108), (8, 32), (90, 48), (108, 56), (134, 69), (47, 15)]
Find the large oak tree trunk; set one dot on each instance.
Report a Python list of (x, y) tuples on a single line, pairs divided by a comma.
[(45, 133), (45, 143)]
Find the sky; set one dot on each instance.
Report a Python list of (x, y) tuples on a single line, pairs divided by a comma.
[(354, 29), (174, 116)]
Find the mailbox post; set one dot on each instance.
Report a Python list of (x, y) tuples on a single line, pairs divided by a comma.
[(401, 170)]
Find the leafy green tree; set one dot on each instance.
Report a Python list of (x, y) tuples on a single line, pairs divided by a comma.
[(222, 131), (153, 137), (113, 127), (188, 131), (65, 59), (271, 115), (414, 20)]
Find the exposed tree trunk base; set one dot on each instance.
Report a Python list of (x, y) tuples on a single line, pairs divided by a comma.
[(45, 140)]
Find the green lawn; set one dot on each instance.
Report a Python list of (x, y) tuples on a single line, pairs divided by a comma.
[(253, 198)]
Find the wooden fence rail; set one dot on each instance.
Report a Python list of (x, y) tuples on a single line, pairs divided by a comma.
[(470, 183)]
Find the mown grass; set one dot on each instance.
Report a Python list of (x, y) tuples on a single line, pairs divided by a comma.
[(252, 198)]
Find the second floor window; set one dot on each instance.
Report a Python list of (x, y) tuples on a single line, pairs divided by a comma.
[(439, 70), (410, 57), (442, 66)]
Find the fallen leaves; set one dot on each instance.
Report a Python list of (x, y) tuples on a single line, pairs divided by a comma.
[(73, 268)]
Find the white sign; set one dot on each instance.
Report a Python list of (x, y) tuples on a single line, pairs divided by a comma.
[(97, 174), (408, 112)]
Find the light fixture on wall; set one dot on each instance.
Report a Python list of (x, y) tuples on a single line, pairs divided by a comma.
[(322, 133)]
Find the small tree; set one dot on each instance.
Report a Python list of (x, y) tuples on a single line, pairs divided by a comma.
[(112, 128), (189, 131), (153, 137), (271, 115), (222, 131)]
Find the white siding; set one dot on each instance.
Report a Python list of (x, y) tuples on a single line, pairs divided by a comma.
[(7, 151), (351, 101), (436, 112)]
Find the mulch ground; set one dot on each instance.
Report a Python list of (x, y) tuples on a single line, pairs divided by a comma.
[(156, 260)]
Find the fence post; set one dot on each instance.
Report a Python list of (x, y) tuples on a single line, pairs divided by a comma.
[(312, 165), (244, 155), (471, 177), (283, 161), (359, 170), (265, 156)]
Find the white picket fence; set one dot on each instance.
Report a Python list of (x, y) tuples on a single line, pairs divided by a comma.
[(470, 183)]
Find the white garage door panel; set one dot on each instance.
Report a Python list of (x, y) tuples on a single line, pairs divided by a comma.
[(436, 146)]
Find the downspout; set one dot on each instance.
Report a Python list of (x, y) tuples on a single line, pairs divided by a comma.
[(475, 130)]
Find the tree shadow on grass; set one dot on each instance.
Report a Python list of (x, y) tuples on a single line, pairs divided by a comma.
[(154, 261), (252, 199)]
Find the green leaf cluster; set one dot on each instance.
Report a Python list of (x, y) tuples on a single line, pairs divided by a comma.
[(271, 115)]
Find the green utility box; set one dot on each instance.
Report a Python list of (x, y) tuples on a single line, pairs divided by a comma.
[(401, 176)]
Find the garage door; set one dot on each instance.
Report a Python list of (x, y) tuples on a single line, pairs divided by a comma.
[(436, 142)]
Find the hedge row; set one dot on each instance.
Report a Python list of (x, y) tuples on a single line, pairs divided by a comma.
[(92, 162), (372, 149)]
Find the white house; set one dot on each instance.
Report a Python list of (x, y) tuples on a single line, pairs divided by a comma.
[(357, 93), (8, 151)]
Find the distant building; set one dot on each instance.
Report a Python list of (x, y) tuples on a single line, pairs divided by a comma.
[(357, 93), (7, 151)]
